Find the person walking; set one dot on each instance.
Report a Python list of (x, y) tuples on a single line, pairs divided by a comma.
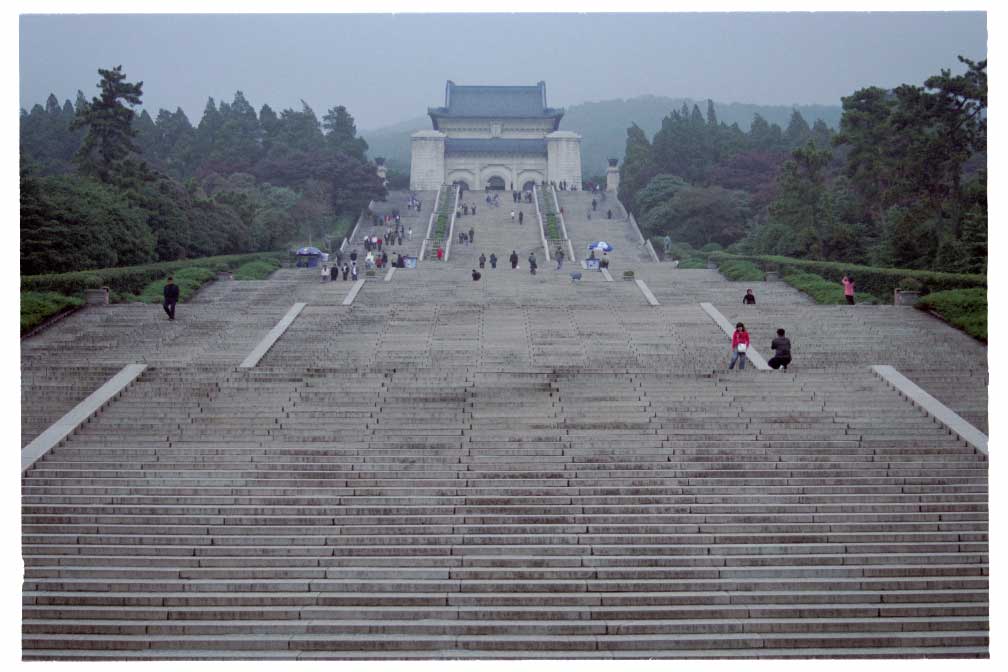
[(521, 217), (353, 271), (560, 259), (409, 233), (334, 272), (325, 272), (476, 275), (512, 216), (440, 253), (171, 297), (482, 260), (472, 235), (493, 260), (739, 344), (513, 259), (782, 351), (346, 270), (848, 288), (749, 299), (533, 264)]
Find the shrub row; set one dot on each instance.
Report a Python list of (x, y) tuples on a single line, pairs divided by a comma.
[(739, 269), (189, 280), (824, 291), (444, 213), (878, 281), (36, 307), (962, 308), (260, 269), (132, 279)]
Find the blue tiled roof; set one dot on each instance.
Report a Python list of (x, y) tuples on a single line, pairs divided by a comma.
[(501, 102), (495, 146)]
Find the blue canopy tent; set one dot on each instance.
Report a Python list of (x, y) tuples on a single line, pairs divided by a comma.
[(308, 257)]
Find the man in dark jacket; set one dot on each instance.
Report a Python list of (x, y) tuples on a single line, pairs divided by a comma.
[(171, 297), (513, 259), (782, 351)]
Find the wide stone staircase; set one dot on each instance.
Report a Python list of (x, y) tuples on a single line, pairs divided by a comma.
[(628, 251), (480, 512), (495, 232), (521, 467), (409, 218)]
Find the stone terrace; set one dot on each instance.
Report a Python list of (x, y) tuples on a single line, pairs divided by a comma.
[(516, 467)]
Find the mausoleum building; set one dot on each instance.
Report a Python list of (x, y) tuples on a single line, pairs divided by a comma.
[(501, 137)]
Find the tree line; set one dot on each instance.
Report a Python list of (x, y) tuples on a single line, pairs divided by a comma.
[(902, 183), (104, 186)]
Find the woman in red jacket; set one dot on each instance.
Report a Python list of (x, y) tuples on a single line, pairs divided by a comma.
[(739, 345)]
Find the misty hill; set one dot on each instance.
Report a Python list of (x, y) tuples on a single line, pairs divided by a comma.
[(603, 125)]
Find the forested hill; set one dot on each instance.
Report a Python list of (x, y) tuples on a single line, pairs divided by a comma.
[(603, 126)]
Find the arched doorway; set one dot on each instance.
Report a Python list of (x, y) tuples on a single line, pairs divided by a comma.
[(528, 185), (496, 183)]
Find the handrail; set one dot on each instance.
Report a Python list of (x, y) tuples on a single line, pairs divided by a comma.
[(563, 225), (430, 222), (651, 251), (542, 230), (451, 225), (346, 241)]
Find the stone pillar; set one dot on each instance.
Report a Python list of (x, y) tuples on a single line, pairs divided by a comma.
[(427, 160), (612, 176), (96, 297), (563, 157), (380, 162)]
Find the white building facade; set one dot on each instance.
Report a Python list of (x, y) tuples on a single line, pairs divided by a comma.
[(497, 137)]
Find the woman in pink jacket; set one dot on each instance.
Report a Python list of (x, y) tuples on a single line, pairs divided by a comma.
[(739, 346)]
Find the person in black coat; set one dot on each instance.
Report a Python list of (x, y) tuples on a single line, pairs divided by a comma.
[(749, 299), (513, 259), (171, 297)]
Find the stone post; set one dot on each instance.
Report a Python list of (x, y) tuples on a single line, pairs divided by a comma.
[(96, 297), (612, 176), (380, 162)]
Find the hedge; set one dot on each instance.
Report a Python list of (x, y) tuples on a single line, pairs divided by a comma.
[(36, 307), (824, 291), (873, 280), (737, 269), (132, 279), (260, 269), (962, 308)]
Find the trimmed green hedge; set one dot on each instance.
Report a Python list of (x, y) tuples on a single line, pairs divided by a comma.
[(259, 269), (189, 280), (870, 279), (37, 307), (962, 308), (824, 291), (741, 270), (132, 279)]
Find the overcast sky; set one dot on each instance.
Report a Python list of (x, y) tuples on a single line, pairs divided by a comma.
[(388, 68)]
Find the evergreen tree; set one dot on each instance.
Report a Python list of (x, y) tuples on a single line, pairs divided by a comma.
[(108, 121), (798, 131), (711, 114)]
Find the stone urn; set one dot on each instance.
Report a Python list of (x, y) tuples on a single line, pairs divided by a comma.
[(96, 297)]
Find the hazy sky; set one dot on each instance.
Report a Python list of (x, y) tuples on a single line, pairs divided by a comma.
[(388, 68)]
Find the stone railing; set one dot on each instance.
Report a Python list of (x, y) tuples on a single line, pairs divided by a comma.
[(430, 223), (646, 244), (451, 224), (542, 229), (563, 223), (360, 218)]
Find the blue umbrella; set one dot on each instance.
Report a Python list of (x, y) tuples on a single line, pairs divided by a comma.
[(601, 245)]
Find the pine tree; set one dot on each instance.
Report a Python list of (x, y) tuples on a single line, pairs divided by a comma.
[(711, 114), (108, 121)]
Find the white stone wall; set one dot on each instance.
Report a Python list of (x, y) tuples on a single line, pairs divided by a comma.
[(564, 157), (477, 169), (427, 160)]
